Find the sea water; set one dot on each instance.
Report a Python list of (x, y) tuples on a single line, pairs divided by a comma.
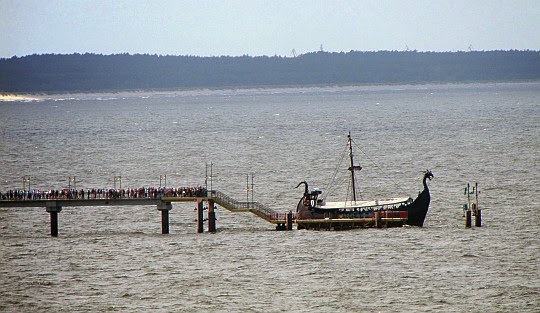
[(269, 140)]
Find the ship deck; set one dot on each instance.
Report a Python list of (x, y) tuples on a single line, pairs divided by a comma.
[(365, 204)]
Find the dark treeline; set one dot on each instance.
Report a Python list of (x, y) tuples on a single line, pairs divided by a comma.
[(94, 72)]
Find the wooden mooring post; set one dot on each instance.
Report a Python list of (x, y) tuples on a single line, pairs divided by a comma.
[(468, 219), (378, 219), (289, 221), (478, 218)]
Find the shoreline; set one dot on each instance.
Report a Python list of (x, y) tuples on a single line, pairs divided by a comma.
[(12, 97), (127, 94)]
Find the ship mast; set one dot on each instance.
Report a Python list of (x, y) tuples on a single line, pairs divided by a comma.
[(352, 167)]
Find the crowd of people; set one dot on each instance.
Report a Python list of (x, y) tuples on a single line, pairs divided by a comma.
[(103, 193)]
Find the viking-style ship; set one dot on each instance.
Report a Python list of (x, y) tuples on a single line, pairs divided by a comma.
[(314, 212)]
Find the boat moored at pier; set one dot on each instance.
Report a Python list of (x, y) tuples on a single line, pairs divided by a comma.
[(314, 212)]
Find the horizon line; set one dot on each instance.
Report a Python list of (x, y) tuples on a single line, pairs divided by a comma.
[(292, 56)]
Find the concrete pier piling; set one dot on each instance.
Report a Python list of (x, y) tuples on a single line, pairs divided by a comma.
[(211, 217), (164, 207), (164, 221), (200, 216), (53, 211)]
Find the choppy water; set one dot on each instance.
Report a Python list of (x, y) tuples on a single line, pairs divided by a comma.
[(115, 259)]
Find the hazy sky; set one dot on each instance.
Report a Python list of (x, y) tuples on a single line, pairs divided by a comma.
[(252, 27)]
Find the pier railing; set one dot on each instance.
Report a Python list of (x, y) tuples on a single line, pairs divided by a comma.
[(256, 208), (267, 213), (227, 202)]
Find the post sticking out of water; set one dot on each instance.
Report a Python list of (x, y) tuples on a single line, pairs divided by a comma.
[(472, 207), (164, 207), (200, 216), (289, 221), (378, 220), (478, 218), (478, 215), (53, 210), (164, 221), (211, 217)]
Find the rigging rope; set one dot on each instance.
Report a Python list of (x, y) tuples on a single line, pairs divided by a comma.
[(331, 186), (380, 169), (331, 183), (348, 189)]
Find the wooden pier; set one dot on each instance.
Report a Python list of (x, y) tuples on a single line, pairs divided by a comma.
[(164, 204)]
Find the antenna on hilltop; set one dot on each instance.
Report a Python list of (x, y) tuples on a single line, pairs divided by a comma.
[(293, 53), (470, 48), (321, 48)]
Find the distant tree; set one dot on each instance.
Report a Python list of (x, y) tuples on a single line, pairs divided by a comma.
[(90, 72)]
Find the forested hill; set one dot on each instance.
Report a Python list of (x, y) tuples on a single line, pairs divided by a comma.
[(93, 72)]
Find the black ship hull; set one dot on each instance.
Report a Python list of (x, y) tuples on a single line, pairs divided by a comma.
[(411, 213)]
